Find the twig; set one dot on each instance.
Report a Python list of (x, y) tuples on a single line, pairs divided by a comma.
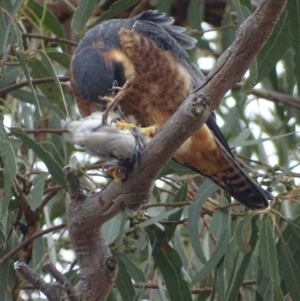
[(44, 131), (51, 291), (279, 98), (47, 197), (152, 285), (50, 39), (173, 205), (35, 81), (139, 8), (62, 280), (29, 240)]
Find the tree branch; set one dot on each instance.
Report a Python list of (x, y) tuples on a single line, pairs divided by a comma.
[(279, 98), (50, 290), (62, 280), (35, 81), (87, 214)]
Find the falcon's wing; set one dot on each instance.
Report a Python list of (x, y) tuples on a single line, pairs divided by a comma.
[(170, 38)]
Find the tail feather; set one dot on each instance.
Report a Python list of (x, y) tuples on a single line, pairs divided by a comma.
[(234, 180)]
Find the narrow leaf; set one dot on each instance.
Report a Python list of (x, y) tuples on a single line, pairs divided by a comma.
[(289, 271), (82, 14), (53, 167), (116, 8), (241, 236), (204, 192), (180, 196), (293, 7), (135, 273), (111, 228), (215, 258), (52, 72), (237, 281), (169, 264), (274, 48), (124, 284)]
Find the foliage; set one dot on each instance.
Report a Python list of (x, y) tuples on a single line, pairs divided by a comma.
[(188, 242)]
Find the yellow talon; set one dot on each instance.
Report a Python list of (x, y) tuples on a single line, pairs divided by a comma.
[(123, 125), (149, 131), (117, 176)]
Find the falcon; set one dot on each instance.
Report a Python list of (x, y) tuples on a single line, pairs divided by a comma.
[(149, 50)]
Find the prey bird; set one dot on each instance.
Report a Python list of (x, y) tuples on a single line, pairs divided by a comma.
[(117, 146)]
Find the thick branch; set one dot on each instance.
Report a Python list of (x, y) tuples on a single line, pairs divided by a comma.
[(86, 215), (98, 268)]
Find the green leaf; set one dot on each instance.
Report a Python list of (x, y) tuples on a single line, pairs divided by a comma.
[(7, 275), (38, 254), (252, 79), (53, 167), (241, 11), (9, 172), (111, 228), (27, 96), (242, 234), (267, 251), (169, 264), (268, 259), (293, 8), (82, 14), (237, 280), (158, 218), (172, 167), (124, 284), (20, 54), (39, 70), (195, 13), (240, 139), (116, 8), (220, 283), (135, 273), (220, 221), (289, 270), (52, 72), (10, 75), (180, 196), (61, 58), (215, 258), (7, 14), (274, 48), (37, 191), (204, 192), (48, 19), (164, 6)]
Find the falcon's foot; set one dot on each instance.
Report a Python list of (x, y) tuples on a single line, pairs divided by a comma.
[(149, 131), (116, 173), (123, 125)]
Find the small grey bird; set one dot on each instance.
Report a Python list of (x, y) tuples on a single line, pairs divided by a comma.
[(117, 143)]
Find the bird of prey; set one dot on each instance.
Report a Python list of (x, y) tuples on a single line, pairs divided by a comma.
[(117, 148), (150, 50)]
